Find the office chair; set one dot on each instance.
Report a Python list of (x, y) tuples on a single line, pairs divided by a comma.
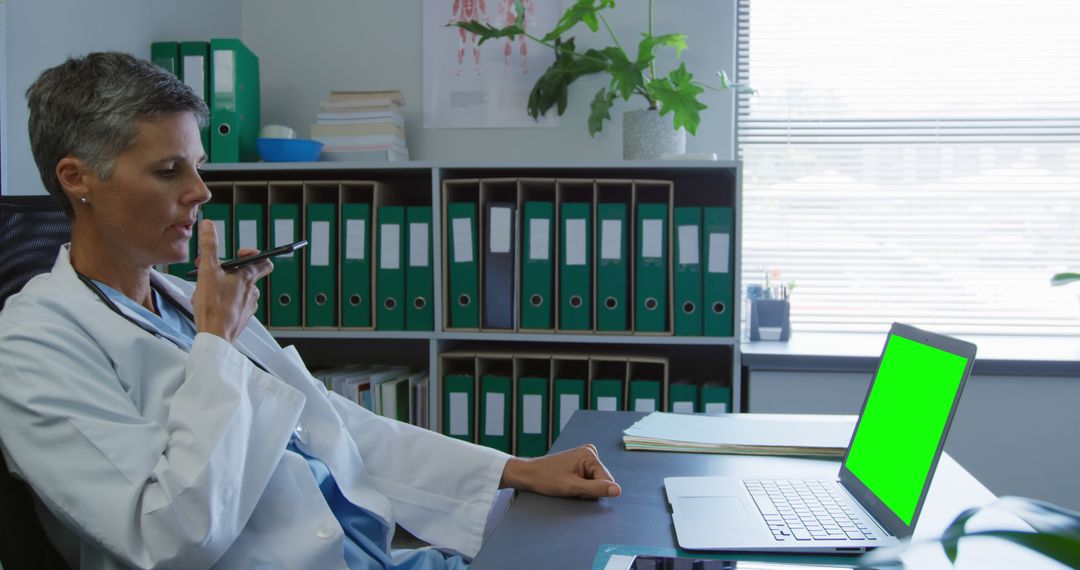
[(32, 228)]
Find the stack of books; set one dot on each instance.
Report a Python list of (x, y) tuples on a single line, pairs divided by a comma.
[(362, 126)]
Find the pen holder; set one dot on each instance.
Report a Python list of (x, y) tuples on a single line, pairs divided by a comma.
[(770, 319)]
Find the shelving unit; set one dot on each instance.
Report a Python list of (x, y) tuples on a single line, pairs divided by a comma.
[(691, 357)]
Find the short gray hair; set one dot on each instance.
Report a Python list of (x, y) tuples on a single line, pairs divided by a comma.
[(89, 108)]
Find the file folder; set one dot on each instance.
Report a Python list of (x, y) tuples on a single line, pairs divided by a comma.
[(606, 394), (650, 309), (537, 276), (645, 395), (464, 272), (356, 265), (568, 397), (718, 292), (221, 216), (285, 280), (499, 267), (532, 416), (195, 73), (495, 412), (250, 232), (389, 271), (234, 101), (321, 286), (683, 398), (394, 398), (166, 55), (715, 399), (459, 395), (612, 268), (419, 273), (575, 273), (688, 321)]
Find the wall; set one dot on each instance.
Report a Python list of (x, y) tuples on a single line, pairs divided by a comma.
[(42, 33), (1015, 434), (307, 49)]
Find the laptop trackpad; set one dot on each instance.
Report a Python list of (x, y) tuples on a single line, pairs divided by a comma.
[(720, 513)]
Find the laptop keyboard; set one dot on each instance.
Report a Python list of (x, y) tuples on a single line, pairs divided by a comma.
[(810, 510)]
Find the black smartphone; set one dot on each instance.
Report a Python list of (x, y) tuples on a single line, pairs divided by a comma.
[(231, 264)]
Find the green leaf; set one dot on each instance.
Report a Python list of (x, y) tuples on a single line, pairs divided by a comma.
[(677, 94), (626, 75), (1064, 278), (649, 43), (582, 11), (1056, 533), (727, 83), (550, 90), (487, 32), (599, 110)]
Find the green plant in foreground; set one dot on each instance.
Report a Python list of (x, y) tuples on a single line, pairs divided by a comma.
[(676, 93), (1055, 533), (1064, 278)]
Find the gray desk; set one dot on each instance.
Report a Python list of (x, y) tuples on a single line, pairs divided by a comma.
[(545, 532)]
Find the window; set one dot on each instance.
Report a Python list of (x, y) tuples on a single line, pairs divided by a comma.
[(915, 161)]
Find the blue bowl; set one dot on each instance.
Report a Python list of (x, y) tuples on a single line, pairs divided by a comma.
[(288, 150)]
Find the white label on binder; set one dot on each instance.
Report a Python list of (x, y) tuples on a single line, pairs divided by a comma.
[(644, 405), (495, 404), (568, 404), (356, 232), (283, 234), (682, 407), (611, 242), (418, 245), (224, 71), (390, 246), (652, 239), (195, 74), (219, 227), (688, 249), (715, 408), (718, 252), (459, 413), (462, 240), (538, 239), (500, 230), (575, 242), (320, 244), (530, 413), (607, 403), (249, 234)]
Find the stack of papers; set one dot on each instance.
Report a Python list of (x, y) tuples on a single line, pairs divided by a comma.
[(362, 126), (746, 434)]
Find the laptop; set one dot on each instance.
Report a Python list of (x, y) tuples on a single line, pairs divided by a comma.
[(883, 479)]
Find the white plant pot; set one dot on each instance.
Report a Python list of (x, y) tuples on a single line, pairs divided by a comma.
[(647, 135)]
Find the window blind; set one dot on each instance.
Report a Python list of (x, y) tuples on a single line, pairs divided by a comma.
[(915, 161)]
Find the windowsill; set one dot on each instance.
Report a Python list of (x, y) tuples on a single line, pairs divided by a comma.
[(1001, 355)]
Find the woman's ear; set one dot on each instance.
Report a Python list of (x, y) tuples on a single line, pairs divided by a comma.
[(73, 176)]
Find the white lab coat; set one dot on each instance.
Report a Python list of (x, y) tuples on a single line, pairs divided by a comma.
[(148, 456)]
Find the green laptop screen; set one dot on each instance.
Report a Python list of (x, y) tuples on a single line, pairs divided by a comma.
[(902, 422)]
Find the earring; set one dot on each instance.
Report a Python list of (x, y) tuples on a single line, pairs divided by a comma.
[(83, 199)]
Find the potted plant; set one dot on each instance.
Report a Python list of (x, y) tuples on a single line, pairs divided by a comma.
[(645, 133)]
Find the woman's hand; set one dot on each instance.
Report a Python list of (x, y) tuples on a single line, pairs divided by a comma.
[(575, 472), (224, 301)]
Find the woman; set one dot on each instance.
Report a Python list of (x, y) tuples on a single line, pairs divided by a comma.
[(157, 422)]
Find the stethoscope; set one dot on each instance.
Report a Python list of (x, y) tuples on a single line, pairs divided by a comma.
[(144, 325)]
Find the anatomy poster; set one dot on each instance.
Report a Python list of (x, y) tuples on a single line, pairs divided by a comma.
[(468, 85)]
